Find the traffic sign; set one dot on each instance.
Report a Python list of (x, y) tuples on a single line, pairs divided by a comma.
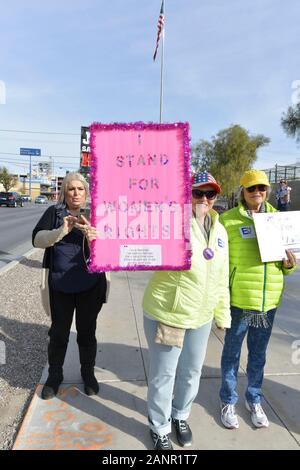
[(34, 152)]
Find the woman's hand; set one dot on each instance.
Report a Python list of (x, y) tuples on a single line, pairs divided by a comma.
[(90, 232), (291, 261), (222, 328), (69, 223)]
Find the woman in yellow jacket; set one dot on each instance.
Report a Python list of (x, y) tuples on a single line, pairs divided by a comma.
[(256, 289), (179, 307)]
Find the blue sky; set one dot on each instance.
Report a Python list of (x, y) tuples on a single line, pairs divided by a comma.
[(68, 63)]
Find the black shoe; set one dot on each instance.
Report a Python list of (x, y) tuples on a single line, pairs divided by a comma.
[(48, 392), (91, 386), (183, 433), (51, 386), (161, 442), (88, 390)]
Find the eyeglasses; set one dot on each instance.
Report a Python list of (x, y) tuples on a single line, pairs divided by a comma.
[(198, 194), (260, 187)]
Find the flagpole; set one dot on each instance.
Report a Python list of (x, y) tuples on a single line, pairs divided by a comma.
[(162, 71)]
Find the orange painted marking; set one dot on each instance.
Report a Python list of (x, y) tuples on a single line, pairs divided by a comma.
[(62, 430), (68, 392), (59, 416)]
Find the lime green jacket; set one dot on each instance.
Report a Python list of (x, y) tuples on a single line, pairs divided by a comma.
[(190, 299), (253, 285)]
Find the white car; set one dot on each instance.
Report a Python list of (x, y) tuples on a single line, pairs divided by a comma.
[(41, 200)]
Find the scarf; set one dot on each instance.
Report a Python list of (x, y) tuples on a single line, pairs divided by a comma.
[(205, 228), (254, 318)]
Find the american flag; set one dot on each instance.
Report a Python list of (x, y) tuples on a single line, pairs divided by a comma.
[(202, 178), (160, 27)]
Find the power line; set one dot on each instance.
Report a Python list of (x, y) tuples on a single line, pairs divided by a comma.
[(39, 132), (36, 162), (23, 163), (42, 156), (14, 139)]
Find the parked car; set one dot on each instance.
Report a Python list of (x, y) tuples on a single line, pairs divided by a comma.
[(26, 197), (41, 200), (11, 199)]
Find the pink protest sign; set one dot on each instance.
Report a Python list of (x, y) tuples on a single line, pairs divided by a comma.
[(141, 195)]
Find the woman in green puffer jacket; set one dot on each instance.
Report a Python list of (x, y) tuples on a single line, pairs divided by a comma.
[(179, 307), (255, 293)]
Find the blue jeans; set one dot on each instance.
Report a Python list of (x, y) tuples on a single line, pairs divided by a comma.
[(168, 363), (284, 207), (257, 342)]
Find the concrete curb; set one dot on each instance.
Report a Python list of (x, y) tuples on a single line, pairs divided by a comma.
[(14, 263)]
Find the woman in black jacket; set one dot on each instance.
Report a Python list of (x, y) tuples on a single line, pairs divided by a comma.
[(66, 236)]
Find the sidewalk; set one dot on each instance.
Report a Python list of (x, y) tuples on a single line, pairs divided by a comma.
[(116, 418)]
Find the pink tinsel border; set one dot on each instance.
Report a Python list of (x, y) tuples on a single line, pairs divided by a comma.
[(96, 126)]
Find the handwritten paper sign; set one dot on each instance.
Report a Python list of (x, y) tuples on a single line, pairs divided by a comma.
[(141, 196), (277, 232)]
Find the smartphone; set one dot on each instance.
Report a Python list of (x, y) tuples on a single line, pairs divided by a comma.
[(85, 211)]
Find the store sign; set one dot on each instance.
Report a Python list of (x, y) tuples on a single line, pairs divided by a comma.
[(85, 152)]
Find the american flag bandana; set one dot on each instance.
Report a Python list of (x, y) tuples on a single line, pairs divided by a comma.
[(202, 178), (160, 26)]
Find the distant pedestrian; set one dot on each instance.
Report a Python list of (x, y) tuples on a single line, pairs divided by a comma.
[(66, 237), (256, 290), (179, 307), (283, 196)]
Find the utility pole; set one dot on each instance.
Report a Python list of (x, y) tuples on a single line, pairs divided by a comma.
[(30, 176), (30, 152)]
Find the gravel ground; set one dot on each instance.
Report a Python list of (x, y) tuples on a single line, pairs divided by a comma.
[(23, 330)]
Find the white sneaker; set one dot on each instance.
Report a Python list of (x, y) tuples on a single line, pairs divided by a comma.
[(258, 416), (228, 416)]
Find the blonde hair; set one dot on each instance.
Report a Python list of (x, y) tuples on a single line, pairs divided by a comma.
[(241, 197), (74, 176)]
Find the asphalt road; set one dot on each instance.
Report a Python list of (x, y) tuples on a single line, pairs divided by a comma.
[(16, 226)]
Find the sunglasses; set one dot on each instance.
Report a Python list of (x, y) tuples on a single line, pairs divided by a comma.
[(198, 194), (259, 187)]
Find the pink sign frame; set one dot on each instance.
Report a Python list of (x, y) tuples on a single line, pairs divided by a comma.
[(140, 172)]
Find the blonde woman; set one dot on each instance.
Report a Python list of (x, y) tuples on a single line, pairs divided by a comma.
[(66, 236)]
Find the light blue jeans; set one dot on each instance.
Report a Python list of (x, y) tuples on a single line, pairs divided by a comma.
[(168, 363)]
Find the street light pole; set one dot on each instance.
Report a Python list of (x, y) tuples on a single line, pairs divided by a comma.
[(30, 175), (30, 152)]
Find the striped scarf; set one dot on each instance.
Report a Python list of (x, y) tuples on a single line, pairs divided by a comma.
[(253, 317)]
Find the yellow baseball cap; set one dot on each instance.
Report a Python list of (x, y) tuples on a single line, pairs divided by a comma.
[(254, 177)]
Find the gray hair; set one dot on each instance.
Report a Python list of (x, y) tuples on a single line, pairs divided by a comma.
[(74, 176), (241, 198)]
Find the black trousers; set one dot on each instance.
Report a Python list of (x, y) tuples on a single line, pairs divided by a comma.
[(87, 306)]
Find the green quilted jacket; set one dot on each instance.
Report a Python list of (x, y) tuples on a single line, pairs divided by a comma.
[(253, 285)]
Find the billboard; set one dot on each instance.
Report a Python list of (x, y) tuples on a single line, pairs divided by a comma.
[(85, 152)]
